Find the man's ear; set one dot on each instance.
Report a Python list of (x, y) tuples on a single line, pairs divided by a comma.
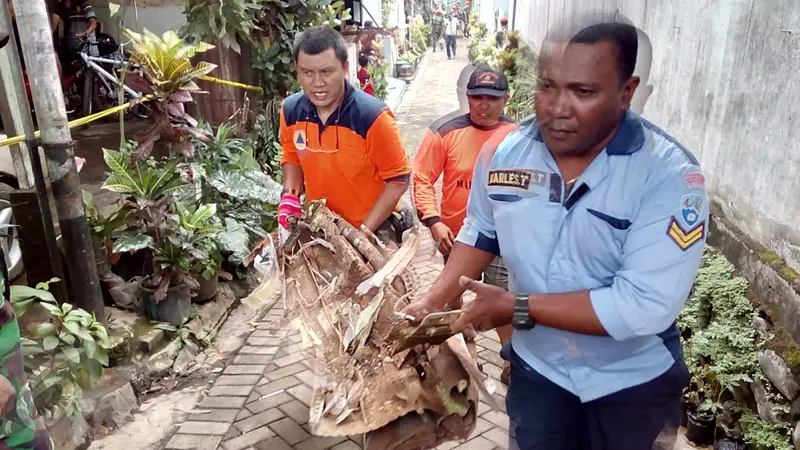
[(628, 90)]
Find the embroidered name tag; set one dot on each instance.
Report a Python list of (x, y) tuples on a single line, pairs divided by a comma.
[(516, 178)]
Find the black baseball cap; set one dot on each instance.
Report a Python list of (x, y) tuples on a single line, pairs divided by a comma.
[(487, 81)]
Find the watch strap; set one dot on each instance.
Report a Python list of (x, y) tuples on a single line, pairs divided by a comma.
[(522, 313)]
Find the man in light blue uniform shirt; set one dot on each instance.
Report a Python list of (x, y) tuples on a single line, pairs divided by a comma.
[(601, 218)]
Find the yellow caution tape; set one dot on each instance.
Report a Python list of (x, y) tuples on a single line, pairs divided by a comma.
[(232, 83), (99, 115), (78, 122)]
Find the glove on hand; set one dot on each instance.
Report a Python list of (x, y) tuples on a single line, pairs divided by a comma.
[(289, 207)]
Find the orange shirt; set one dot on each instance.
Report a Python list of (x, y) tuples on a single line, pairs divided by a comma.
[(348, 160), (451, 146)]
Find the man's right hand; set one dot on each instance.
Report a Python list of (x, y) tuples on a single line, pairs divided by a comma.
[(289, 207), (443, 236)]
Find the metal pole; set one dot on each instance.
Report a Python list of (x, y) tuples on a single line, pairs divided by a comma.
[(514, 16), (56, 140), (28, 167)]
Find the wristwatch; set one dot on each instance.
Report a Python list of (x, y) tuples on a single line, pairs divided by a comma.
[(522, 314)]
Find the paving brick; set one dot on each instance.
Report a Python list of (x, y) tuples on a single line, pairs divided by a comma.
[(245, 369), (265, 342), (232, 433), (480, 426), (295, 339), (478, 443), (253, 359), (306, 376), (449, 445), (278, 334), (243, 414), (296, 410), (285, 371), (273, 443), (225, 391), (498, 436), (248, 439), (346, 445), (319, 443), (489, 344), (302, 393), (492, 370), (492, 357), (257, 350), (289, 431), (291, 359), (497, 418), (269, 402), (483, 408), (205, 428), (259, 420), (237, 380), (193, 442), (215, 415), (222, 402), (277, 385)]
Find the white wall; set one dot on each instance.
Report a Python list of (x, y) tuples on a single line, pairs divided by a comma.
[(157, 16), (725, 83)]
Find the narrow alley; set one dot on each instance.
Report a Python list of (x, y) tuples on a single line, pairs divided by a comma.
[(260, 401)]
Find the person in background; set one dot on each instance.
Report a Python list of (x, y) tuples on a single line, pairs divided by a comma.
[(80, 23), (451, 146), (364, 77), (54, 21), (339, 143), (450, 34), (602, 218)]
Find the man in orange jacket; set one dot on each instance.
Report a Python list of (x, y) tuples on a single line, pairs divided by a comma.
[(451, 146), (339, 143)]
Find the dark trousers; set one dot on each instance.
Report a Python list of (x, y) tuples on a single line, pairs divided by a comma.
[(546, 417), (450, 42)]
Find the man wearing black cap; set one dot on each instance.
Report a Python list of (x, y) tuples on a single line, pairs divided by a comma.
[(451, 146)]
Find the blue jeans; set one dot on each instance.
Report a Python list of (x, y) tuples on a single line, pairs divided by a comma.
[(450, 42), (546, 417)]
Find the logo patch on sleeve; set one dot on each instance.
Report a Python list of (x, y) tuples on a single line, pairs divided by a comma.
[(685, 238), (516, 178)]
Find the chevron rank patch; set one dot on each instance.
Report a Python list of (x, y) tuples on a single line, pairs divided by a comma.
[(686, 238)]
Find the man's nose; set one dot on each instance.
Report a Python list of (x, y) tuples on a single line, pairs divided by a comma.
[(560, 105)]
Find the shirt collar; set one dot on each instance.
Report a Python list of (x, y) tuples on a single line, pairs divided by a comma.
[(628, 139)]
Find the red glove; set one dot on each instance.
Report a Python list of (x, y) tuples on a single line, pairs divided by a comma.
[(289, 207)]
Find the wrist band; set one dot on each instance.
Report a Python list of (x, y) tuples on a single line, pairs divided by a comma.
[(294, 192)]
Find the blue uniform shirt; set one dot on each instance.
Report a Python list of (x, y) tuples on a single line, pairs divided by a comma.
[(631, 230)]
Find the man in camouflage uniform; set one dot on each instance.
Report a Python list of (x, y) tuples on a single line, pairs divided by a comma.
[(19, 427)]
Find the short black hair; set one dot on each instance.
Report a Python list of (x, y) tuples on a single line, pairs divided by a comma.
[(316, 40), (363, 60), (623, 36)]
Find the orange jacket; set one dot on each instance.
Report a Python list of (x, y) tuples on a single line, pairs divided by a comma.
[(451, 146), (358, 151)]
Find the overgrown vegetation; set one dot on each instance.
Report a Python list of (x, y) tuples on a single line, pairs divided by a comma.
[(223, 21), (65, 355), (721, 351)]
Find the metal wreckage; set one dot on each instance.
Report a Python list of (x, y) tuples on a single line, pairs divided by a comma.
[(404, 386)]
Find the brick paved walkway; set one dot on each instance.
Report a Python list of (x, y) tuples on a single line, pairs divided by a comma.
[(260, 401)]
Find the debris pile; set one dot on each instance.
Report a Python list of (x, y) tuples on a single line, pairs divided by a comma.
[(343, 290)]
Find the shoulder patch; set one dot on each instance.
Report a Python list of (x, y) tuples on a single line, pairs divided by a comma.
[(684, 238)]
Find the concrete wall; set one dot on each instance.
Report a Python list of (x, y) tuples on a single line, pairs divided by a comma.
[(157, 16), (725, 83)]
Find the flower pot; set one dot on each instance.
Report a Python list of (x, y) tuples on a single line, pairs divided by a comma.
[(172, 309), (208, 288), (700, 429), (729, 443)]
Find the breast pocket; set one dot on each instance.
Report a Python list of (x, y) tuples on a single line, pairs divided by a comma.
[(608, 231), (353, 160)]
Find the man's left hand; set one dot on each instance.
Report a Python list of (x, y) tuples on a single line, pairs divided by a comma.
[(493, 306)]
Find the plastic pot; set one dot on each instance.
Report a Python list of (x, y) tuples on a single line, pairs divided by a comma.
[(173, 309), (208, 288), (700, 429)]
